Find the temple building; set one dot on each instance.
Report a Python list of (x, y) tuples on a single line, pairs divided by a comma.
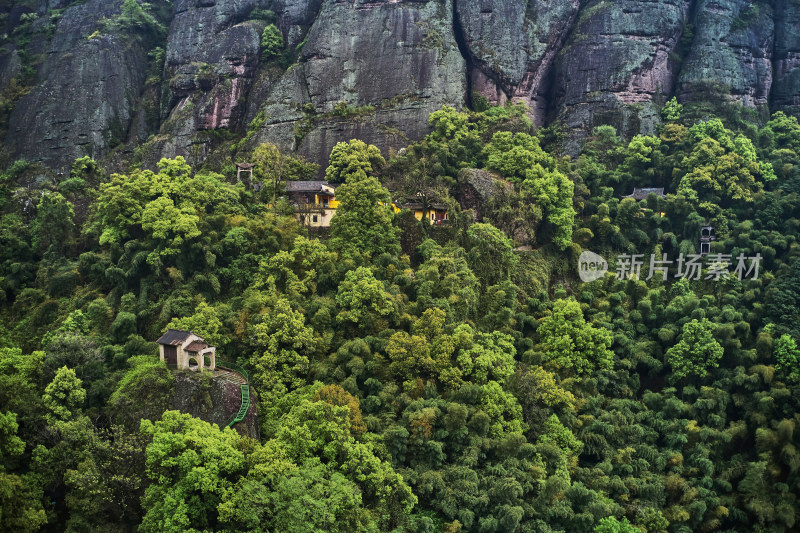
[(314, 202), (186, 350)]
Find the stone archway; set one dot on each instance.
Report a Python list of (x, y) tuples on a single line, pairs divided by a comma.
[(195, 361)]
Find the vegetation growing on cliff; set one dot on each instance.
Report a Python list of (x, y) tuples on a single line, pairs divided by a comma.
[(451, 384)]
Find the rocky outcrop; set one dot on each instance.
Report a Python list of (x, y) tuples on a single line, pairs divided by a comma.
[(618, 65), (785, 92), (399, 57), (86, 91), (212, 53), (376, 69), (476, 187), (215, 400), (512, 45), (295, 17), (731, 53)]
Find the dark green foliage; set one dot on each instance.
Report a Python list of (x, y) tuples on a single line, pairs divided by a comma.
[(412, 377)]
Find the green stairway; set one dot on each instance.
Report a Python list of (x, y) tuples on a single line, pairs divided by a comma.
[(237, 374), (245, 405)]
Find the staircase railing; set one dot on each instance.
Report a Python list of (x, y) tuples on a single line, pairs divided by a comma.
[(244, 388), (236, 368)]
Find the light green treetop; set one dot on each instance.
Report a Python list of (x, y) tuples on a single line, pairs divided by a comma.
[(570, 343), (697, 350)]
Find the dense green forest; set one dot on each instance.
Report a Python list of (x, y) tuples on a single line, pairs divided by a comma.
[(412, 377)]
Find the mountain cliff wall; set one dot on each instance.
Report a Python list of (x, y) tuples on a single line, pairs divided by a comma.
[(373, 69)]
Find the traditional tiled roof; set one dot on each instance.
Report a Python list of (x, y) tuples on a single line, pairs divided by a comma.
[(196, 346), (174, 337), (306, 186), (642, 193), (416, 206), (245, 166)]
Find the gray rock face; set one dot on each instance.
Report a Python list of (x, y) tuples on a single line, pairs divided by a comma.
[(295, 17), (511, 46), (400, 57), (376, 69), (477, 187), (86, 94), (731, 54), (617, 64), (786, 59), (214, 400), (212, 54), (10, 67)]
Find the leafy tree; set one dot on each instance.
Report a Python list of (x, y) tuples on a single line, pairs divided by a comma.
[(514, 155), (314, 432), (787, 357), (553, 191), (570, 343), (20, 375), (78, 352), (136, 19), (53, 225), (142, 392), (271, 42), (352, 159), (169, 225), (672, 110), (415, 176), (489, 356), (722, 167), (503, 410), (335, 395), (642, 157), (119, 212), (696, 351), (64, 396), (20, 504), (491, 255), (204, 322), (192, 466), (105, 487), (611, 524), (363, 221), (286, 342), (274, 168), (297, 271), (445, 281), (314, 499), (363, 299)]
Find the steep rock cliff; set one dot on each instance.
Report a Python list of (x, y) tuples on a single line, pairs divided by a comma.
[(213, 400), (85, 93), (400, 57), (212, 54), (618, 65), (375, 69), (786, 59), (511, 46), (731, 53)]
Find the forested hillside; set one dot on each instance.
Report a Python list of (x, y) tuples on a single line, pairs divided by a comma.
[(413, 377), (597, 333)]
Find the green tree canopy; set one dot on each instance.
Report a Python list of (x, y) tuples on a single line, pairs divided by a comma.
[(363, 221), (192, 466), (570, 343), (696, 351), (64, 396)]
